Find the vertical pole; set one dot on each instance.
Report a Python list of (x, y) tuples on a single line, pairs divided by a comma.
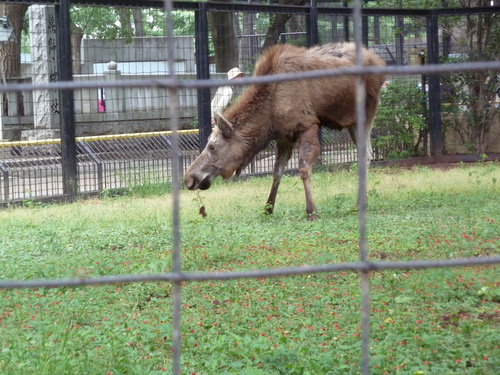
[(203, 72), (364, 27), (399, 24), (68, 141), (424, 105), (446, 34), (434, 87), (376, 29), (346, 23), (312, 24), (176, 162), (6, 185), (313, 39), (361, 136)]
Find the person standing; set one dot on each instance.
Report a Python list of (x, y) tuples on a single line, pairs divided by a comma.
[(224, 95)]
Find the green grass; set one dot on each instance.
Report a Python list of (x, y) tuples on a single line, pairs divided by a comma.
[(437, 321)]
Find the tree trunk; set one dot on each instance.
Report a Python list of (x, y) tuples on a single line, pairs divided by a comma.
[(138, 22), (248, 46), (10, 52), (76, 51), (224, 40), (297, 26), (125, 22), (277, 23)]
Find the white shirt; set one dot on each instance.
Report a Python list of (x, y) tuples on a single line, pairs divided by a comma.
[(221, 99)]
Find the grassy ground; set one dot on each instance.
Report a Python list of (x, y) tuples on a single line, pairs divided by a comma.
[(439, 321)]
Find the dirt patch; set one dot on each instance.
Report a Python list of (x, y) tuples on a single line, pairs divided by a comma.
[(490, 317), (444, 163), (455, 319)]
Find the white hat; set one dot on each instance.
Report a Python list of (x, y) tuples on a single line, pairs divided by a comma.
[(235, 72)]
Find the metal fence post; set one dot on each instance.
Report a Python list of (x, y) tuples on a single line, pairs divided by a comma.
[(6, 186), (312, 24), (166, 139), (68, 141), (434, 87), (364, 26), (203, 72), (97, 161), (400, 42), (313, 39), (345, 4), (425, 112)]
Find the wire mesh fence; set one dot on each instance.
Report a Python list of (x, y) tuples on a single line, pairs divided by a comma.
[(119, 161), (32, 171)]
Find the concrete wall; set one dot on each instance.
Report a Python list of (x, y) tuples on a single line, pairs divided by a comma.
[(136, 50)]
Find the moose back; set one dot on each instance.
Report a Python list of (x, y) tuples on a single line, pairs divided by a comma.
[(290, 113)]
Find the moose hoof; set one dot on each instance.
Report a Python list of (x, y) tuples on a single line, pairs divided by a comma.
[(268, 210), (312, 217)]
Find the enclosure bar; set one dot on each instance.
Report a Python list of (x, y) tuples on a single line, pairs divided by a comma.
[(5, 172), (361, 136), (434, 87), (30, 143), (203, 72), (176, 253), (67, 116), (93, 138), (97, 161), (312, 25), (302, 270), (168, 83), (166, 140), (364, 29), (466, 11)]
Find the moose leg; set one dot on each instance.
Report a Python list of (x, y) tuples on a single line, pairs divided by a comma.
[(369, 151), (283, 153), (309, 149)]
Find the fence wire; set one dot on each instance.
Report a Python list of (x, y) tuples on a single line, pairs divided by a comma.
[(95, 154)]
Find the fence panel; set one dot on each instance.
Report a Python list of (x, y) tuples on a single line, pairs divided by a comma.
[(471, 100)]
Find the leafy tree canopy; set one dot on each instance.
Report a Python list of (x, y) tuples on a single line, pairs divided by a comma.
[(107, 23)]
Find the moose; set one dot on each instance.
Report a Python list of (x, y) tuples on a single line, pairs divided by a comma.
[(290, 113)]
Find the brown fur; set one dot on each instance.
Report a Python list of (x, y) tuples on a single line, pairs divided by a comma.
[(290, 113)]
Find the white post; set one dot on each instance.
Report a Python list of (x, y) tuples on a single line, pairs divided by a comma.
[(113, 95), (43, 42)]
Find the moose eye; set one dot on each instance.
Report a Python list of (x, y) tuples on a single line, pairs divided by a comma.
[(211, 148)]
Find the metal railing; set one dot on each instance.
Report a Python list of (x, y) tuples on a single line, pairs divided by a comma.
[(31, 170)]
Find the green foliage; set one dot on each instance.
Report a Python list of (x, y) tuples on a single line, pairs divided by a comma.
[(472, 102), (96, 22), (138, 190), (184, 23), (434, 321), (415, 4), (472, 108), (104, 22), (399, 124)]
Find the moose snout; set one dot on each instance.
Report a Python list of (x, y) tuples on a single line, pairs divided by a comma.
[(194, 182)]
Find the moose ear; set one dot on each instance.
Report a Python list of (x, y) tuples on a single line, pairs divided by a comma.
[(225, 126)]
